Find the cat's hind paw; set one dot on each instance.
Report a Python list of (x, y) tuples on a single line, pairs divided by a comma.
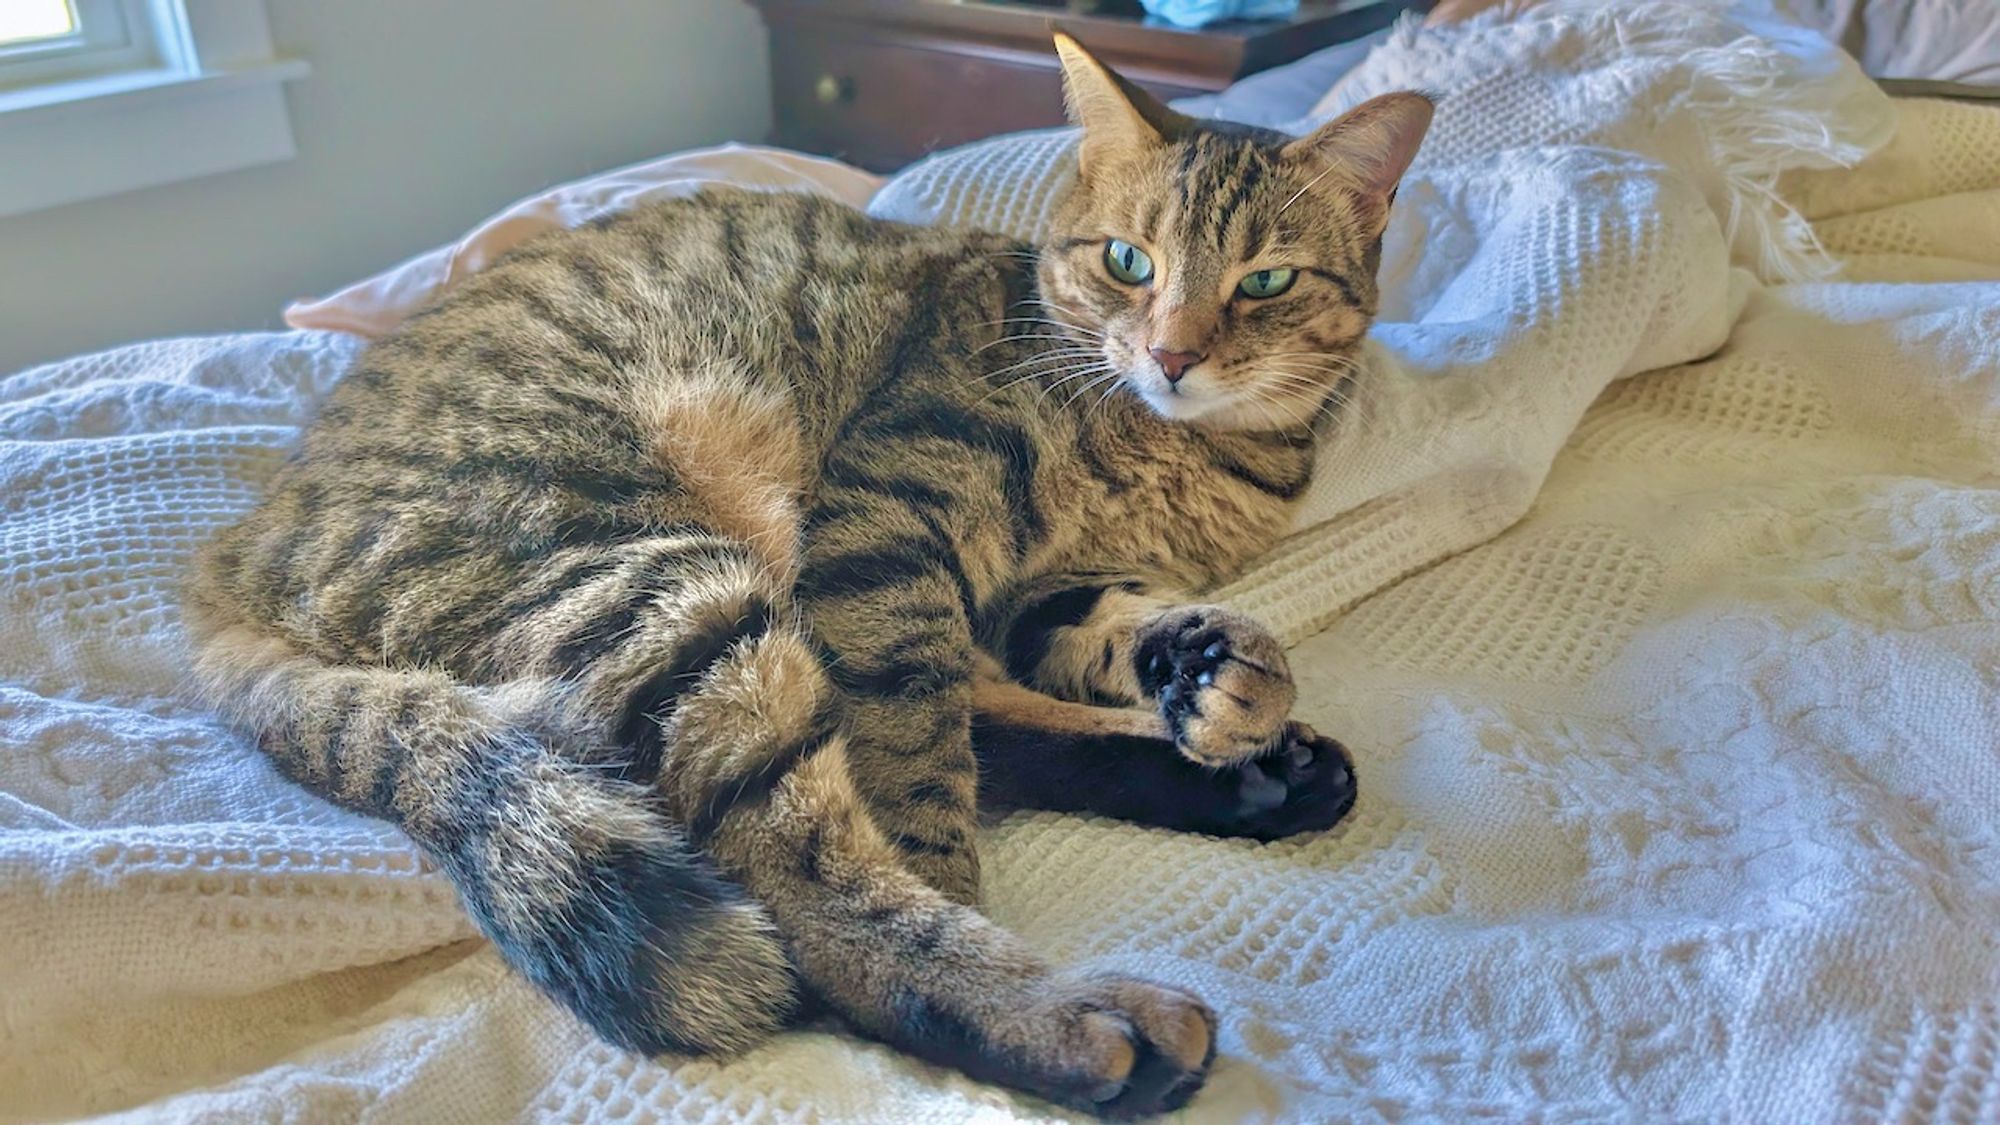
[(1305, 783)]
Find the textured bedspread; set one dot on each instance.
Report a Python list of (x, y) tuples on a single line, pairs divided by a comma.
[(1679, 793)]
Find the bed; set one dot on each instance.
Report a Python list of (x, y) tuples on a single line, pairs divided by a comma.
[(1655, 588)]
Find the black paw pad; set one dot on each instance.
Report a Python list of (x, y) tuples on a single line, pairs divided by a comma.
[(1177, 663), (1303, 784), (1168, 651)]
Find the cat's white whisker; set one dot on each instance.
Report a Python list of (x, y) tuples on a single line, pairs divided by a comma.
[(1053, 358), (1045, 371), (1056, 306), (1062, 371), (1330, 401), (1103, 398), (1062, 374), (1109, 374), (1024, 337), (1047, 321)]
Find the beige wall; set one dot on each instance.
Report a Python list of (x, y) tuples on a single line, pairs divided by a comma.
[(420, 117)]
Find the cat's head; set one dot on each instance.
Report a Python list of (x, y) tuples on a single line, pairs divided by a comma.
[(1223, 273)]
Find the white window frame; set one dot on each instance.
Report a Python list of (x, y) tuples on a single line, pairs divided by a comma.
[(147, 92)]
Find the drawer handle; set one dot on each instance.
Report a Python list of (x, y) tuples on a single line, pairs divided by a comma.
[(831, 90)]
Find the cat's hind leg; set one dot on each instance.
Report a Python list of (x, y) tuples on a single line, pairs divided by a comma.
[(757, 739), (527, 772), (933, 977)]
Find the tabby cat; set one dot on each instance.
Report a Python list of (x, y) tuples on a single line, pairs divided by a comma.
[(683, 583)]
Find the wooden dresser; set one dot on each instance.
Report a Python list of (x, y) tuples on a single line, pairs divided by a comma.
[(880, 83)]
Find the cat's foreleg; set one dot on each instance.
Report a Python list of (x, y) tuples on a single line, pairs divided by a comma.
[(1036, 751), (1218, 680)]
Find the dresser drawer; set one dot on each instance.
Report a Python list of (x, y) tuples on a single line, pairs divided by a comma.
[(880, 83), (883, 104)]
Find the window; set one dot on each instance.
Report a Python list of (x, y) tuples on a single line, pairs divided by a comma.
[(56, 40), (32, 21), (103, 96)]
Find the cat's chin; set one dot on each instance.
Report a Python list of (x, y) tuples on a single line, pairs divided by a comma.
[(1207, 411), (1211, 412), (1178, 407)]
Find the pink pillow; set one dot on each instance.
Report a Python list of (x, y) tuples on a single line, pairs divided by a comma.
[(373, 307)]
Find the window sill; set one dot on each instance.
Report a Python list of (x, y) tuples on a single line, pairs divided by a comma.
[(93, 137)]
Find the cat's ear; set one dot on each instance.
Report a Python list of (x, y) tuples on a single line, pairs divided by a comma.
[(1116, 116), (1371, 145)]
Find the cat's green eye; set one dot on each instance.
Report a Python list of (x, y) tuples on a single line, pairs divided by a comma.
[(1127, 262), (1267, 283)]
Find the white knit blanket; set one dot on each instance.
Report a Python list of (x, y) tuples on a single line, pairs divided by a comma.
[(1679, 795)]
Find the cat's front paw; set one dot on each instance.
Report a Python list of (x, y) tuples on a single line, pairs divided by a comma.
[(1303, 784), (1220, 680)]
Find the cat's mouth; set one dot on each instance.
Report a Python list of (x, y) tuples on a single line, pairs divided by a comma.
[(1212, 393), (1191, 396), (1198, 394), (1176, 401), (1211, 401)]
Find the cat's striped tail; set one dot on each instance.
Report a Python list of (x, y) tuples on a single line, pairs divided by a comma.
[(580, 879)]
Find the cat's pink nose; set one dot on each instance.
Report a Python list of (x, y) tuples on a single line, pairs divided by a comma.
[(1175, 364)]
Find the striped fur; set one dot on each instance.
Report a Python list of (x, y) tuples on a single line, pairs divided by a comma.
[(649, 582)]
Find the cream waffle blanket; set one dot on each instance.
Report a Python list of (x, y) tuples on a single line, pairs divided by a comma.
[(1680, 774)]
